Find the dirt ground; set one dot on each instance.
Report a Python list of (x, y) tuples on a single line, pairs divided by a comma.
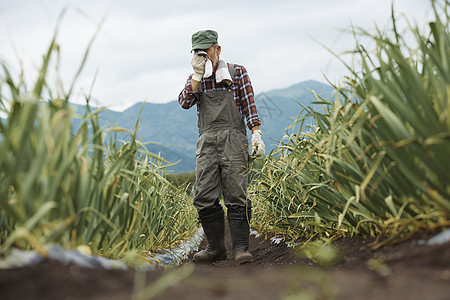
[(408, 270)]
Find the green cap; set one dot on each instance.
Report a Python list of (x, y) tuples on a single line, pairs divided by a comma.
[(203, 39)]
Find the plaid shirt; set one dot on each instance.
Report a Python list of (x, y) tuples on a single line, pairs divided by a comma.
[(243, 94)]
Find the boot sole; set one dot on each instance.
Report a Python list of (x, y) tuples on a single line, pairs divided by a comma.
[(244, 259), (210, 260)]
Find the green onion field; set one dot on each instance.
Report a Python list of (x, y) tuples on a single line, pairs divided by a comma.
[(371, 164)]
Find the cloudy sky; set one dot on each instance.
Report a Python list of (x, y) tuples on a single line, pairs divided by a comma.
[(142, 50)]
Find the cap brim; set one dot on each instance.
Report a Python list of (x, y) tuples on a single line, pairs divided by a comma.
[(201, 46)]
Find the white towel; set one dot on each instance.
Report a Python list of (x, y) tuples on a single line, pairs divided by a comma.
[(222, 73)]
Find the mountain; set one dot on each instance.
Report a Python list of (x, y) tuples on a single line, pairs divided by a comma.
[(279, 108), (172, 131)]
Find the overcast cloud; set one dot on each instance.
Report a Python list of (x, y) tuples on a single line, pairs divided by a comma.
[(142, 52)]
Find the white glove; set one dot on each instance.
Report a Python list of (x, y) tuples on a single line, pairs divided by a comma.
[(258, 146), (198, 64)]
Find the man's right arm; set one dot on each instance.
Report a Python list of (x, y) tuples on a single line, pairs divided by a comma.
[(189, 96), (195, 84)]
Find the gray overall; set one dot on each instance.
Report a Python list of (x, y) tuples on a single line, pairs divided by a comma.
[(222, 151)]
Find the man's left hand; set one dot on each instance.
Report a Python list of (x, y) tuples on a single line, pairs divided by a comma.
[(258, 146)]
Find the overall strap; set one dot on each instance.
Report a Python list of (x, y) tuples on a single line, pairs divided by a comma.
[(232, 70)]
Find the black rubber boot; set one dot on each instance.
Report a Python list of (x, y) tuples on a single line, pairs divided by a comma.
[(213, 224), (238, 220)]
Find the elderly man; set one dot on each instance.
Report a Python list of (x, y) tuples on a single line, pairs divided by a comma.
[(224, 97)]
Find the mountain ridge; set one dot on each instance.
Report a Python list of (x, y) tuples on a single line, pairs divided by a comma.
[(172, 131)]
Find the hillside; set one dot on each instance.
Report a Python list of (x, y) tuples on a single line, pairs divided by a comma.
[(174, 130)]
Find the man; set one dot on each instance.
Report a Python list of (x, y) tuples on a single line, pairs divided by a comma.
[(224, 97)]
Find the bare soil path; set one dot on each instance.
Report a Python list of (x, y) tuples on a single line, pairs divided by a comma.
[(408, 270)]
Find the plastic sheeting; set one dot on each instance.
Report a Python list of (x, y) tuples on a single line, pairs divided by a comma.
[(439, 239), (21, 258), (175, 256)]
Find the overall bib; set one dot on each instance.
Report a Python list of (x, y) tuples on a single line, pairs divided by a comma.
[(222, 152)]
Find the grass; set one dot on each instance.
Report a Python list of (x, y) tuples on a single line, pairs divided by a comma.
[(79, 186), (375, 161)]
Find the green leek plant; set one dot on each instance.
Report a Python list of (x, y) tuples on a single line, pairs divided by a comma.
[(79, 186), (375, 162)]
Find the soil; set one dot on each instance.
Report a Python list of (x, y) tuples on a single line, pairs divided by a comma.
[(407, 270)]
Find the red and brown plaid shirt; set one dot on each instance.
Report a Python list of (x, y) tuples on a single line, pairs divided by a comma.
[(243, 94)]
